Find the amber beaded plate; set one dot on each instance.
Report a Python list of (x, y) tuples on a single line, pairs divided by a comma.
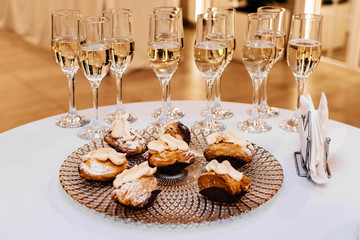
[(179, 202)]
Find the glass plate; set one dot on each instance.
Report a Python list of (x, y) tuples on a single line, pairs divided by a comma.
[(179, 202)]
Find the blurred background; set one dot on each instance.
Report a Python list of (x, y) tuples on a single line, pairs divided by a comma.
[(34, 87)]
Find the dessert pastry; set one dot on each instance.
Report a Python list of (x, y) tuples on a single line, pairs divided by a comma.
[(169, 155), (102, 164), (136, 188), (222, 183), (123, 139), (230, 146), (178, 131)]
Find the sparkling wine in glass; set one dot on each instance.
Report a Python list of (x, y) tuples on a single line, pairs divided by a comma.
[(303, 56), (164, 53), (210, 58), (265, 111), (173, 112), (64, 40), (258, 56), (94, 56), (122, 46), (217, 109)]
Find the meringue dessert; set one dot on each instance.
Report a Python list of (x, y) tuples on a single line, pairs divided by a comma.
[(123, 139), (230, 146), (135, 187), (169, 154), (102, 164), (177, 130), (222, 183)]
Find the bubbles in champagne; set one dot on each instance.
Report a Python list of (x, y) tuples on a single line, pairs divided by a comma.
[(164, 57), (210, 57), (94, 59), (63, 50), (303, 56)]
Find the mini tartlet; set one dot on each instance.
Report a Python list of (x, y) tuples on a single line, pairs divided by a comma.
[(102, 164), (222, 183), (230, 146), (177, 130), (169, 154), (124, 139), (136, 187)]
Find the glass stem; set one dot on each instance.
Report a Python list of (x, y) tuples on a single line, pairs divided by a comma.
[(71, 87), (217, 89), (95, 90), (119, 98), (255, 100), (165, 98), (209, 96), (300, 83), (263, 101)]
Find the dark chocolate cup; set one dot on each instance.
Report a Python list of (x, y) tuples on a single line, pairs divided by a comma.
[(150, 202), (173, 169), (185, 131), (217, 194), (235, 162)]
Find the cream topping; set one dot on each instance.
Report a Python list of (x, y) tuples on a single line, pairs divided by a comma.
[(120, 128), (232, 137), (141, 170), (224, 168), (104, 154), (167, 142), (229, 136)]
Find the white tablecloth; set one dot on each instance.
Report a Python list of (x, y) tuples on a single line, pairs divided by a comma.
[(34, 205)]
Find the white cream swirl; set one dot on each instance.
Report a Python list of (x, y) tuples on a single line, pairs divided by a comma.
[(120, 128), (104, 154), (141, 170), (224, 168), (167, 142), (229, 136)]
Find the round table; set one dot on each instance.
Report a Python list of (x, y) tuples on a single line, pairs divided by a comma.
[(34, 204)]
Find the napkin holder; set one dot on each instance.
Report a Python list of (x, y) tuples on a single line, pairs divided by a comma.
[(298, 156)]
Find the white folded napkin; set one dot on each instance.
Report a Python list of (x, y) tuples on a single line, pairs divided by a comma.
[(318, 121)]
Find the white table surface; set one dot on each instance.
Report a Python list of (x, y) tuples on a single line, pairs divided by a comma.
[(34, 205)]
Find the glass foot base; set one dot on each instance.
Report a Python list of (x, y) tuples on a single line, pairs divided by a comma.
[(210, 125), (173, 113), (92, 132), (72, 121), (254, 126), (266, 112), (219, 113), (291, 125), (111, 117), (158, 124)]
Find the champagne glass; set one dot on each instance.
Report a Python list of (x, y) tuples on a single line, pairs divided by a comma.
[(64, 38), (173, 112), (217, 109), (303, 56), (258, 56), (210, 58), (265, 111), (164, 53), (94, 59), (121, 40)]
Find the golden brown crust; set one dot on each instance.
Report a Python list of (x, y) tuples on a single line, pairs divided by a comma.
[(97, 170), (224, 181), (135, 193), (132, 147), (224, 149), (177, 128), (167, 158)]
